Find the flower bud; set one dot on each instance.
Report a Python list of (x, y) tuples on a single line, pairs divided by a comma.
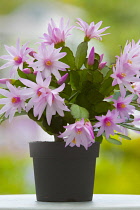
[(27, 71), (62, 79), (31, 53), (35, 72), (102, 65), (91, 57)]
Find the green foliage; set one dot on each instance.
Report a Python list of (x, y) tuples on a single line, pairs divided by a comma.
[(69, 58), (125, 125), (18, 83), (106, 87), (81, 54), (94, 96), (123, 136), (114, 141), (105, 71), (99, 139), (96, 64), (79, 112), (31, 76), (97, 76), (74, 79), (102, 107)]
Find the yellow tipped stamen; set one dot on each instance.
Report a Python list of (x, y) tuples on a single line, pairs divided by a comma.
[(108, 123), (74, 141), (129, 61), (79, 131), (123, 74), (13, 100), (39, 93), (16, 58), (122, 105), (48, 63)]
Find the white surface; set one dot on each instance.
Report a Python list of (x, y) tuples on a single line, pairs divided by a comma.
[(107, 202)]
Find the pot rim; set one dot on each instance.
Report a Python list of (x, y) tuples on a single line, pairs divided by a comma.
[(52, 149)]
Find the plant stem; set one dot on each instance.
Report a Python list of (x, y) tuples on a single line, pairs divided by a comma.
[(56, 139), (74, 95)]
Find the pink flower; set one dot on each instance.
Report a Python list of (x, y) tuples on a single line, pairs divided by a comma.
[(123, 107), (79, 133), (14, 100), (56, 34), (91, 31), (55, 103), (126, 70), (91, 57), (48, 61), (89, 126), (17, 56), (45, 98), (36, 90), (122, 77), (107, 123), (130, 57)]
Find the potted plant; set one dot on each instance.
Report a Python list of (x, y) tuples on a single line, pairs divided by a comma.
[(77, 98)]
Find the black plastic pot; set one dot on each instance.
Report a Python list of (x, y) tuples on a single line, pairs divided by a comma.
[(63, 173)]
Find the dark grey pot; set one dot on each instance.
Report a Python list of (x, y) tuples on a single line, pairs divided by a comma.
[(63, 173)]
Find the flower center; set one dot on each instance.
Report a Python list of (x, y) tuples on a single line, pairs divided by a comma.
[(15, 100), (121, 76), (39, 93), (121, 105), (129, 61), (78, 130), (48, 63), (18, 60), (107, 122), (74, 141)]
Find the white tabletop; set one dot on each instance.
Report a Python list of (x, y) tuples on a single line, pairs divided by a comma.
[(101, 202)]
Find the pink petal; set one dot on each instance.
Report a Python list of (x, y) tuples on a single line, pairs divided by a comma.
[(39, 79), (3, 100), (6, 57), (5, 93), (49, 114), (6, 65), (29, 83), (101, 130)]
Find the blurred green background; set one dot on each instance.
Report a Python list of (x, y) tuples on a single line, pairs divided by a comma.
[(118, 167)]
